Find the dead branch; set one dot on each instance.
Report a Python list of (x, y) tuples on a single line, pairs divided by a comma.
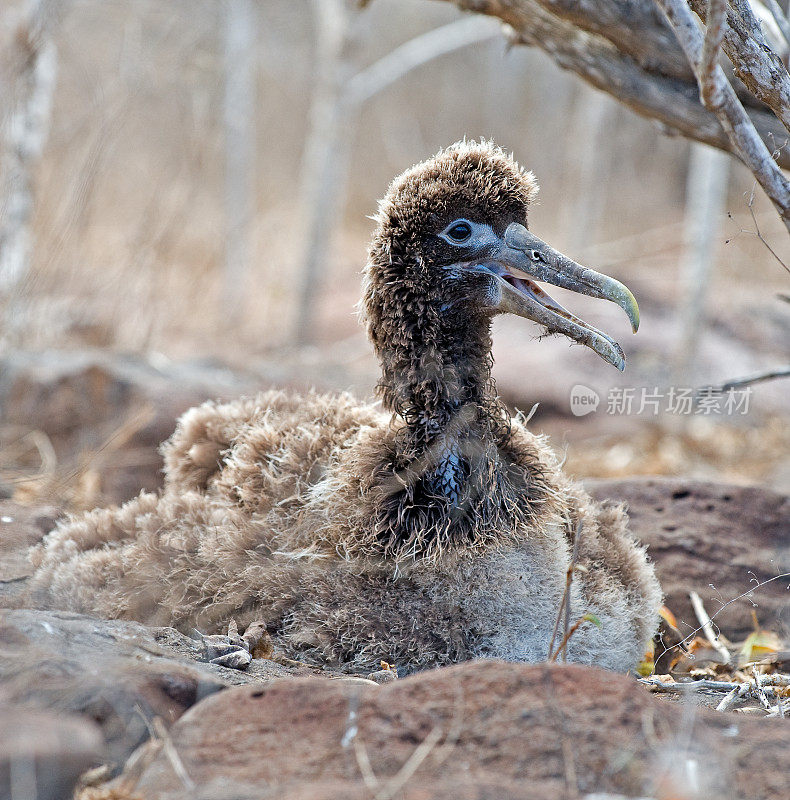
[(727, 702), (565, 604), (658, 685), (752, 687), (714, 33), (707, 627), (760, 689), (573, 35), (759, 377), (414, 53), (779, 18), (743, 136), (172, 754), (753, 60), (636, 28)]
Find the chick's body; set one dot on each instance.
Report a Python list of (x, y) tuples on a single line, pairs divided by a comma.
[(266, 515), (430, 530)]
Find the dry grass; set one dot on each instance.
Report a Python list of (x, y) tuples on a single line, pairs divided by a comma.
[(705, 449)]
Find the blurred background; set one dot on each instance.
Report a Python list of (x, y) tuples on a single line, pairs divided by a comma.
[(184, 214)]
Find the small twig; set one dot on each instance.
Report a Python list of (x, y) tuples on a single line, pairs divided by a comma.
[(172, 754), (421, 752), (761, 693), (577, 534), (707, 627), (758, 377), (565, 639), (365, 768), (566, 595), (779, 18), (454, 731), (725, 704), (758, 233), (690, 636), (715, 24)]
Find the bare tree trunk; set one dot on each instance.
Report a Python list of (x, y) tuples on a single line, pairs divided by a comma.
[(326, 149), (706, 197), (24, 131), (239, 121), (333, 118), (589, 163)]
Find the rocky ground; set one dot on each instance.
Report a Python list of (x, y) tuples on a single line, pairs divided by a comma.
[(122, 710), (139, 712)]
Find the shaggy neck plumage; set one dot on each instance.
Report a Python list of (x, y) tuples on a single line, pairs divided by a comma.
[(437, 378), (450, 482), (436, 375)]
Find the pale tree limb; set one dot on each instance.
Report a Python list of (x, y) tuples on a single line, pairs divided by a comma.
[(588, 163), (780, 19), (22, 137), (324, 156), (416, 52), (711, 46), (672, 102), (239, 127), (754, 62), (706, 196), (745, 141)]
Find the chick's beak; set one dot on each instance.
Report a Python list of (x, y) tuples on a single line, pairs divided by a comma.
[(524, 258)]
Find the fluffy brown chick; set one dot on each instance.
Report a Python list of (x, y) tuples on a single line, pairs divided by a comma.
[(437, 530)]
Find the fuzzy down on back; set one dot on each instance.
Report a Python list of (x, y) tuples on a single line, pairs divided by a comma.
[(265, 515)]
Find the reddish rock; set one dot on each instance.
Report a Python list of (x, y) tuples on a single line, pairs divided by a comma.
[(477, 730), (117, 674), (718, 540)]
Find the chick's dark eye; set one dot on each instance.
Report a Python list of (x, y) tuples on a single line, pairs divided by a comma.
[(460, 231)]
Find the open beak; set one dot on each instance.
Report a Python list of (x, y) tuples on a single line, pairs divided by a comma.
[(524, 258)]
